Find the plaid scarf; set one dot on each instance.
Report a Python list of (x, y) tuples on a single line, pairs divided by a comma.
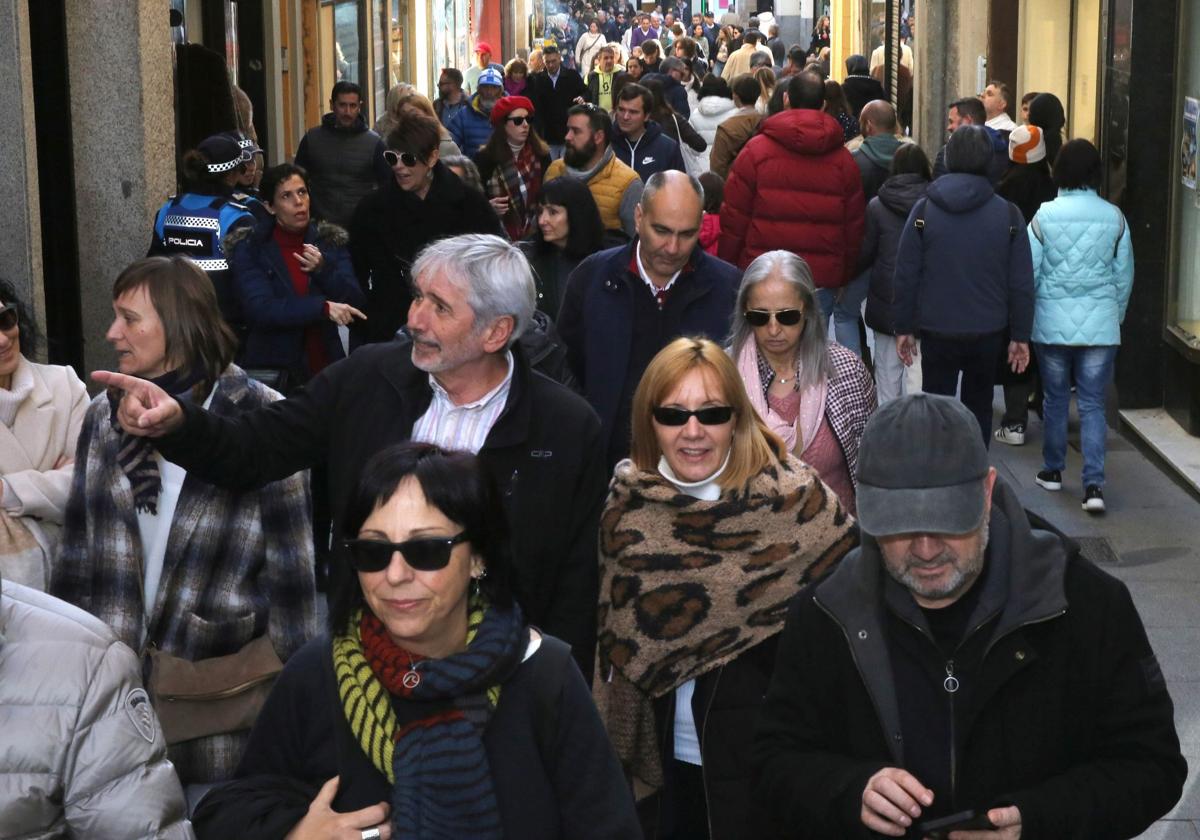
[(438, 767), (135, 455), (520, 181)]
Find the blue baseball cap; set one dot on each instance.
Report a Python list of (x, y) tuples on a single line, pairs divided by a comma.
[(491, 76)]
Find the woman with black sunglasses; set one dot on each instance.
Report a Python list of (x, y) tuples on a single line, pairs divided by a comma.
[(512, 164), (710, 529), (423, 202), (41, 411), (432, 709), (814, 394)]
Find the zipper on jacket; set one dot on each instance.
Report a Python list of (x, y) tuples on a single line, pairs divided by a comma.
[(951, 685), (703, 763), (222, 693)]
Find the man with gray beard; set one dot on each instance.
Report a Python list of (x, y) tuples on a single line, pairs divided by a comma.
[(962, 673)]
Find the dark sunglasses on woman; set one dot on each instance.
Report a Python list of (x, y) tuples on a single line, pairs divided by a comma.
[(715, 415), (762, 317), (425, 555), (8, 317), (407, 158), (517, 120)]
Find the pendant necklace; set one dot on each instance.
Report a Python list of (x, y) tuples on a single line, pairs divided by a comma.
[(783, 380), (412, 677)]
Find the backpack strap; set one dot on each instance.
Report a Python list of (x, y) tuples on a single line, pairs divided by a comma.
[(919, 221), (1036, 227), (1016, 222), (1120, 234)]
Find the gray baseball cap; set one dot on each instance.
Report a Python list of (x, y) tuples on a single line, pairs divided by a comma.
[(921, 465)]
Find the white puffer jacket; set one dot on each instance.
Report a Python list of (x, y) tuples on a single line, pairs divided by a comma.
[(81, 751), (706, 116)]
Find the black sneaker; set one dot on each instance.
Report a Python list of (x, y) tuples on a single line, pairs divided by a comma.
[(1049, 479), (1093, 499)]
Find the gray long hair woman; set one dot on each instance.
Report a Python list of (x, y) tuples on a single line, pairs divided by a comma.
[(814, 394)]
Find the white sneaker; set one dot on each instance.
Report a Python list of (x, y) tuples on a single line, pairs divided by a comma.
[(1013, 435)]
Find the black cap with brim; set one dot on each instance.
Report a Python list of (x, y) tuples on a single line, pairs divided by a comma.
[(885, 511)]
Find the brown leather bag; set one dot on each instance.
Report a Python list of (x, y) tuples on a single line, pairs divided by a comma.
[(212, 696)]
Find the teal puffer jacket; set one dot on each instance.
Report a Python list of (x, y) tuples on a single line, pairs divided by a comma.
[(1082, 270)]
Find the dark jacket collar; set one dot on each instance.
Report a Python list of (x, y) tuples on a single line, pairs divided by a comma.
[(413, 385), (329, 121), (1027, 585)]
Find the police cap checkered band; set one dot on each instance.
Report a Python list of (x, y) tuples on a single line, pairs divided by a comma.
[(223, 153)]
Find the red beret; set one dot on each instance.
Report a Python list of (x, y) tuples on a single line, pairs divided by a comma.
[(505, 105)]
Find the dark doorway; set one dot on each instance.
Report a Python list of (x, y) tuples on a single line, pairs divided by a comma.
[(56, 181), (1003, 23)]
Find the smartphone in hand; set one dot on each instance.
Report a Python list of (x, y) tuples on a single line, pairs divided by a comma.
[(940, 829)]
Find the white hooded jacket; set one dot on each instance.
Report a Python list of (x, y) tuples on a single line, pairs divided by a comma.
[(706, 116)]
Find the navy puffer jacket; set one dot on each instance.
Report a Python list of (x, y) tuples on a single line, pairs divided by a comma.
[(886, 215)]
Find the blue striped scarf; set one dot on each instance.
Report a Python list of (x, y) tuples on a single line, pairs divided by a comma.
[(443, 783)]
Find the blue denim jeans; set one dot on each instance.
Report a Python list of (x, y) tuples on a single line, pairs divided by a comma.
[(846, 310), (1093, 368)]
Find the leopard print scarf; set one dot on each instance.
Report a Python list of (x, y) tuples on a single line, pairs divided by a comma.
[(687, 585)]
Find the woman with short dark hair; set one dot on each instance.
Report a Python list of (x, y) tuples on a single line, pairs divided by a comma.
[(294, 282), (424, 201), (183, 571), (568, 230), (431, 709), (1082, 278)]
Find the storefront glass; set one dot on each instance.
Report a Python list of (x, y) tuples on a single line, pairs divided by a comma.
[(451, 29), (1183, 295)]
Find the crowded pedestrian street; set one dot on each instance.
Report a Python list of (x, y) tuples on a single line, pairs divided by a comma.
[(598, 420)]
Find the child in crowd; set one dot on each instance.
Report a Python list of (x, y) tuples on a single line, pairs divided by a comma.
[(710, 225)]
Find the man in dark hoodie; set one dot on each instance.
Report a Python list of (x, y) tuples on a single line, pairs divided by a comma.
[(638, 140), (969, 111), (343, 158), (874, 156), (964, 274)]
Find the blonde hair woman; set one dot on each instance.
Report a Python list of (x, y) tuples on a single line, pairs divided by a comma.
[(709, 530)]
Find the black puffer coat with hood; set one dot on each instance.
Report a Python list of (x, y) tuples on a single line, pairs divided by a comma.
[(886, 215)]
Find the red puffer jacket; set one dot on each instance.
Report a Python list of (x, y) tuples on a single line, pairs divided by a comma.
[(795, 187)]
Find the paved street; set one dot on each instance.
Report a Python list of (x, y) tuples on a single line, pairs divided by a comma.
[(1153, 530)]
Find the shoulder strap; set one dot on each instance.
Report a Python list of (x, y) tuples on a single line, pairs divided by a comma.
[(1036, 227), (1016, 222), (919, 221), (1120, 234)]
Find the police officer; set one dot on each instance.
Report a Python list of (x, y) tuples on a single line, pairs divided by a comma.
[(196, 221), (245, 191)]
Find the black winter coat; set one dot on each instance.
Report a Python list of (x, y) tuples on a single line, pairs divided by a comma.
[(886, 215), (1029, 186), (545, 452), (726, 707), (551, 102), (553, 770), (1067, 717), (390, 228)]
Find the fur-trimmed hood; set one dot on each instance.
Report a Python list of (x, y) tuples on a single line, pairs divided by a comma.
[(319, 233)]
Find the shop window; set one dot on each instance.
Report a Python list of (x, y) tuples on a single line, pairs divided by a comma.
[(1183, 295)]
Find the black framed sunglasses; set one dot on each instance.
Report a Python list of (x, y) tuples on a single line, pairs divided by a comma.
[(714, 415), (8, 317), (407, 158), (517, 120), (785, 317), (427, 554)]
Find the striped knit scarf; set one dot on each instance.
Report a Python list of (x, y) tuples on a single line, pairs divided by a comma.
[(135, 455), (438, 768)]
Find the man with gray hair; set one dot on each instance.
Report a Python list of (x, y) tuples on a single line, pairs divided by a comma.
[(623, 305), (463, 383), (965, 671)]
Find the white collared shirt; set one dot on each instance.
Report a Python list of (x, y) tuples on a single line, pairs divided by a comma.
[(1001, 122), (462, 427), (654, 289)]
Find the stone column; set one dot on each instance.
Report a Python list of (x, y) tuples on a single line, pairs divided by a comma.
[(20, 223), (951, 36), (123, 109)]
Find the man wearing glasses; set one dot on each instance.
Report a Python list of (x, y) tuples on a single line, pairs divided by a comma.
[(623, 305), (462, 383)]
